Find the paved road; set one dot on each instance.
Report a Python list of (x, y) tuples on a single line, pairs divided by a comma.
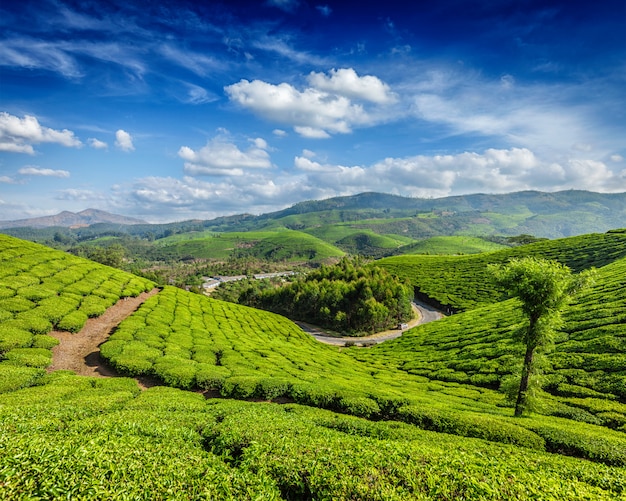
[(424, 314)]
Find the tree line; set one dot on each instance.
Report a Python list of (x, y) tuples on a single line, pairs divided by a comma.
[(347, 297)]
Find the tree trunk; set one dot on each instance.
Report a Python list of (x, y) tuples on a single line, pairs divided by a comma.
[(520, 405)]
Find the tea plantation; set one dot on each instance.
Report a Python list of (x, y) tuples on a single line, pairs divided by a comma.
[(463, 282), (251, 407)]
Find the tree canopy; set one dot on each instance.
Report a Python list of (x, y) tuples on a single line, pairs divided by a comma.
[(347, 297), (543, 288)]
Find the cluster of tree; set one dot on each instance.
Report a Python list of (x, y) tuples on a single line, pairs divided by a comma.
[(347, 297), (112, 255)]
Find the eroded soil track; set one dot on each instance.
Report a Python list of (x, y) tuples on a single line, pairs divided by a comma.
[(80, 352)]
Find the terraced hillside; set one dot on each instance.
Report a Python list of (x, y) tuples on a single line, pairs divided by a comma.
[(352, 424), (42, 290), (463, 282), (587, 375)]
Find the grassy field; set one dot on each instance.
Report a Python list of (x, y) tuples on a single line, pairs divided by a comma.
[(418, 418)]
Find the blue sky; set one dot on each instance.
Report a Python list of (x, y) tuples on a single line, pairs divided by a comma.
[(200, 109)]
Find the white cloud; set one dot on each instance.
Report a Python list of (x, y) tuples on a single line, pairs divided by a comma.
[(36, 171), (17, 135), (260, 191), (97, 144), (79, 195), (279, 133), (616, 158), (198, 95), (7, 180), (493, 171), (124, 141), (312, 113), (28, 53), (346, 82), (199, 64), (220, 157)]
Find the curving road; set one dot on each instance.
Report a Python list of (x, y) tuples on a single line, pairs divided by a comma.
[(423, 314)]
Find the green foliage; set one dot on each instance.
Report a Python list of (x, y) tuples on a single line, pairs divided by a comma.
[(104, 439), (543, 288), (345, 297), (13, 337), (464, 282), (73, 321), (15, 377), (30, 357)]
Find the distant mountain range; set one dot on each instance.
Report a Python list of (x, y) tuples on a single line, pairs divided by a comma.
[(548, 215), (71, 220)]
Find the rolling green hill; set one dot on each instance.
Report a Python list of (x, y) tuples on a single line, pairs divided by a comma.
[(417, 418), (283, 245), (549, 215), (462, 282)]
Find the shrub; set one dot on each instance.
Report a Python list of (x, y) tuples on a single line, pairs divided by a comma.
[(211, 377), (30, 357), (601, 446), (177, 372), (14, 377), (94, 306), (240, 387), (32, 321), (44, 341), (359, 406), (36, 292), (73, 321), (271, 388), (468, 424), (13, 337), (16, 304)]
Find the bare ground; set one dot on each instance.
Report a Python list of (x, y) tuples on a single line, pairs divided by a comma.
[(80, 352)]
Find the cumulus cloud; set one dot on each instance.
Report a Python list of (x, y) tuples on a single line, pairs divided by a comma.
[(222, 158), (492, 171), (325, 107), (346, 82), (18, 135), (97, 144), (36, 171), (259, 191), (192, 197), (124, 141)]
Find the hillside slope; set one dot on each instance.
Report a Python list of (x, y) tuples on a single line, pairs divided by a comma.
[(435, 427), (460, 283)]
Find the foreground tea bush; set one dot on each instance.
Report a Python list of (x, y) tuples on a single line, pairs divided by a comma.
[(92, 439)]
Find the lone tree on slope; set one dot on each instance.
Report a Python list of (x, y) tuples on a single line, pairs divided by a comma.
[(543, 287)]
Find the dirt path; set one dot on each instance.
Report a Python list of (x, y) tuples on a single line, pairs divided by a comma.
[(80, 352)]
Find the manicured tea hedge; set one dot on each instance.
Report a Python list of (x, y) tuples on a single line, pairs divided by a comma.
[(463, 282), (43, 289), (85, 438)]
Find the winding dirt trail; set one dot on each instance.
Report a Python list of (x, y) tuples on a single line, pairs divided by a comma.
[(80, 352)]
